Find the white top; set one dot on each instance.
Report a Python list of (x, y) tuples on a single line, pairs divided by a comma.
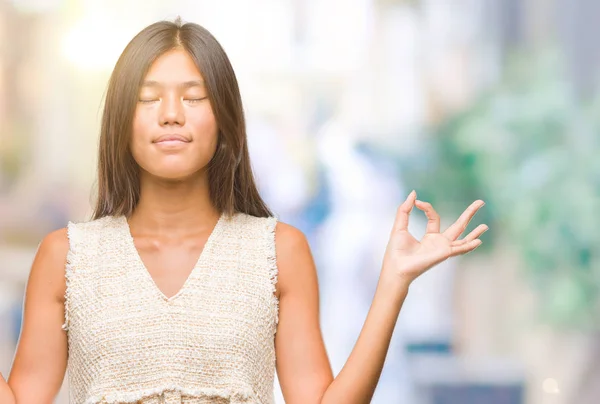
[(213, 342)]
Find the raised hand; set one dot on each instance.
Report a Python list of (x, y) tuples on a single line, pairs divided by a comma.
[(407, 258)]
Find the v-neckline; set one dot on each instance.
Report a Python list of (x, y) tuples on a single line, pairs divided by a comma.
[(140, 263)]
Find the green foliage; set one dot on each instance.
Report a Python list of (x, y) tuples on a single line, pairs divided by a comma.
[(532, 152)]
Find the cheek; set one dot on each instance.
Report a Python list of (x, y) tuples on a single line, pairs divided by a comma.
[(138, 133), (203, 123), (205, 130), (143, 121)]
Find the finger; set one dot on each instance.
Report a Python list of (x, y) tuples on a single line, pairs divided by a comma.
[(433, 219), (458, 227), (401, 222), (460, 242), (464, 247), (476, 233)]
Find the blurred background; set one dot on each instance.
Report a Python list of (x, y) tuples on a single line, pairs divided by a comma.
[(351, 104)]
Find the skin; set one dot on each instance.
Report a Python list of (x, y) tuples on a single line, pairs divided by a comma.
[(170, 227)]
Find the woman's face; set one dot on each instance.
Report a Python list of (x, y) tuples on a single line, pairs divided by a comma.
[(174, 128)]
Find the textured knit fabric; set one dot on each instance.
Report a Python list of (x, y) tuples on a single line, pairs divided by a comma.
[(213, 342)]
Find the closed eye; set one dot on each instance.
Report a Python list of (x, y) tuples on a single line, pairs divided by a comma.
[(195, 100), (190, 100)]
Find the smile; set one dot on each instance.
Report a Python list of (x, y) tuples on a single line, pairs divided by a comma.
[(171, 141), (172, 144), (172, 138)]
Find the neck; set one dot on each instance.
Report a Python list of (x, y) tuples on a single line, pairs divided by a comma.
[(174, 207)]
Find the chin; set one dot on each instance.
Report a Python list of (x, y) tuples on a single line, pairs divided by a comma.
[(175, 174)]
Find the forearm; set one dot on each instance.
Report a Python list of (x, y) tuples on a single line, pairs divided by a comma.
[(6, 394), (358, 378)]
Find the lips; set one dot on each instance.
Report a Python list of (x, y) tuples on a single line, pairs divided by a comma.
[(172, 138)]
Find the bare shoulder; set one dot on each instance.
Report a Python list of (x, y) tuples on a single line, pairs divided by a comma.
[(41, 357), (288, 237), (48, 269), (54, 247), (294, 258), (56, 242)]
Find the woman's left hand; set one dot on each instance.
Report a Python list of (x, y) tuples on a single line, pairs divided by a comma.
[(407, 258)]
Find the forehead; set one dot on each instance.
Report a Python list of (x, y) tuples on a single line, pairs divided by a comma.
[(172, 67)]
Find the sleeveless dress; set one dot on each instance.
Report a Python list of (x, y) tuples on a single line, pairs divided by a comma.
[(213, 342)]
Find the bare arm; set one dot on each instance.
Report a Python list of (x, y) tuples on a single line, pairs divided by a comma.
[(6, 394), (41, 358), (303, 369), (358, 379)]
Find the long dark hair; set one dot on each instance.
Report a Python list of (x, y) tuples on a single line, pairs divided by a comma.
[(231, 181)]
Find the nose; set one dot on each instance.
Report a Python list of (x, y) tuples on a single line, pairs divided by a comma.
[(172, 112)]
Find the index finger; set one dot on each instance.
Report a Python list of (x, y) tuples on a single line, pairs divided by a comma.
[(401, 222)]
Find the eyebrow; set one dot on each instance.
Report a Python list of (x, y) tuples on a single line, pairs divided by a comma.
[(185, 84)]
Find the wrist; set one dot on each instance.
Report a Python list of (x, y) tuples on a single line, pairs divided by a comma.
[(393, 283)]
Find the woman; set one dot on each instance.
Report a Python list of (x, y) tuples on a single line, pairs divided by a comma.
[(176, 291)]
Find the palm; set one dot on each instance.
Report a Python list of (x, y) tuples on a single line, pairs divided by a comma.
[(409, 257)]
